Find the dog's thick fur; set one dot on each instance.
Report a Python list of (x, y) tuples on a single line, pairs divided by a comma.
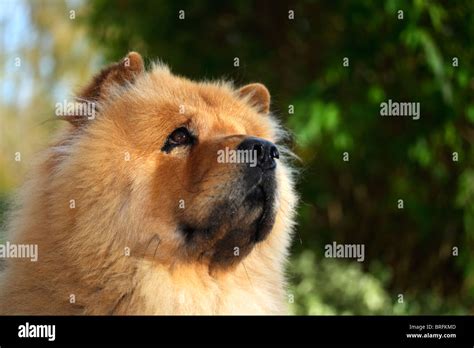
[(103, 205)]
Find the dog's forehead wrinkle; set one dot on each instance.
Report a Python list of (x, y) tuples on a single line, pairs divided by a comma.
[(212, 106)]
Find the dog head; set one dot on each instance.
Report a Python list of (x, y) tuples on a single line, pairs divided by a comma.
[(184, 171)]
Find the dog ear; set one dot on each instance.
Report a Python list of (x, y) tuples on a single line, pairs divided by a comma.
[(120, 73), (256, 95)]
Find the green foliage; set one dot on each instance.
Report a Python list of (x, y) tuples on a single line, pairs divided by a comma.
[(333, 287), (330, 287), (4, 204)]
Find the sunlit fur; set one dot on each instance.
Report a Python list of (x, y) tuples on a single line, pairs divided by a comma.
[(132, 205)]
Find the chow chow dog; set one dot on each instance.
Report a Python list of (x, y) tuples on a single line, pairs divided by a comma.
[(132, 211)]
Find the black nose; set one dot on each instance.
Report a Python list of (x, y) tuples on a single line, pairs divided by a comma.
[(265, 151)]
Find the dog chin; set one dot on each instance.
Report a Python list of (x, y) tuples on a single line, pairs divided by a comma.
[(264, 196), (231, 231)]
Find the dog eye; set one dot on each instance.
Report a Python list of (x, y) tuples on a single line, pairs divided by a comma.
[(179, 137)]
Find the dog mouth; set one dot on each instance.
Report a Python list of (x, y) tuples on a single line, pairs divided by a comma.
[(258, 192), (263, 195), (234, 228), (259, 198)]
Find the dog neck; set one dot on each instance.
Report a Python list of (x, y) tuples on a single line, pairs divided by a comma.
[(190, 289)]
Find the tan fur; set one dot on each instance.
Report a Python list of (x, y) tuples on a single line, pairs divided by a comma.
[(132, 204)]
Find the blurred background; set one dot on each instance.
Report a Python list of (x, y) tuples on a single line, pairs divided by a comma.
[(328, 69)]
